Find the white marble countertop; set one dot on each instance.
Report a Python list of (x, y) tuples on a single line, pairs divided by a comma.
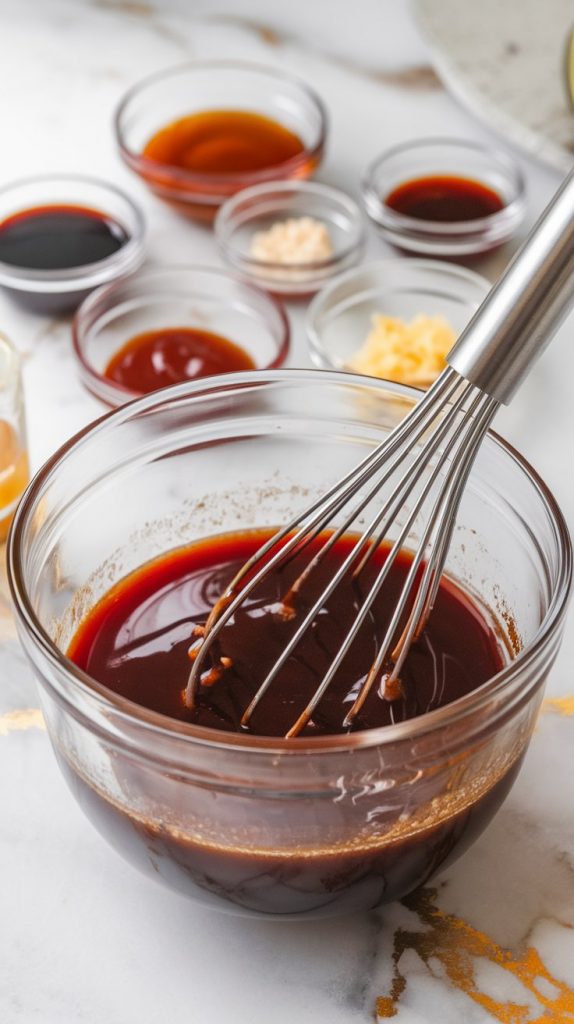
[(83, 937)]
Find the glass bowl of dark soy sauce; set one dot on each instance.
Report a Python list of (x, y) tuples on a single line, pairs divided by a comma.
[(63, 235), (444, 197)]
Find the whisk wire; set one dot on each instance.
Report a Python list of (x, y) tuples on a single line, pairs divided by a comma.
[(318, 515), (384, 515), (450, 393), (448, 423), (453, 495), (410, 593)]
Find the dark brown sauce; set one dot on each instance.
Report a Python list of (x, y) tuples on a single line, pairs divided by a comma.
[(141, 632), (159, 358), (135, 641), (287, 880), (223, 142), (59, 237), (444, 199)]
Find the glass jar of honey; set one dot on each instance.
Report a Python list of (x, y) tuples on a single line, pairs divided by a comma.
[(14, 470)]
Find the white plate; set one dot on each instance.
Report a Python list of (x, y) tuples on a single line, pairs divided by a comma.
[(507, 63)]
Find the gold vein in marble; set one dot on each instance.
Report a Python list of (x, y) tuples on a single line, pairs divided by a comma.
[(418, 77), (563, 705), (458, 947), (21, 720)]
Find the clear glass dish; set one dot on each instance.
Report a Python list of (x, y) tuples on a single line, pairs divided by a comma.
[(312, 826), (340, 317), (163, 98), (453, 158), (258, 208), (61, 291), (174, 296)]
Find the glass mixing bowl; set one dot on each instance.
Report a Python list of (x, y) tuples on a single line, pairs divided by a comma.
[(312, 826)]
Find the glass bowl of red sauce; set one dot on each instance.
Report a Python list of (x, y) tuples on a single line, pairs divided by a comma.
[(170, 324), (130, 528), (444, 197), (63, 235), (200, 132)]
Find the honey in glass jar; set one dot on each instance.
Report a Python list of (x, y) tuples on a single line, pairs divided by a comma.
[(14, 469)]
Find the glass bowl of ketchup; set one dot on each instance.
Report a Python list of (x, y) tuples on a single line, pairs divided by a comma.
[(200, 132), (169, 324), (63, 235), (132, 526), (444, 197)]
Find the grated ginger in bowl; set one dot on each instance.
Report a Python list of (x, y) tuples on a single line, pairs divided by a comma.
[(410, 353)]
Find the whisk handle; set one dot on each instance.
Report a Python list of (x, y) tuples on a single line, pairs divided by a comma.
[(525, 307)]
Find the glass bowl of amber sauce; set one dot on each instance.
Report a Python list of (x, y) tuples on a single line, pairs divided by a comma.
[(124, 540), (199, 132)]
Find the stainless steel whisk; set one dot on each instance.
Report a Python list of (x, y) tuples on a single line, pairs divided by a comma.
[(426, 460)]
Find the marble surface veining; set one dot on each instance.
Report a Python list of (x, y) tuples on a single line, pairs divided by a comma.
[(84, 938)]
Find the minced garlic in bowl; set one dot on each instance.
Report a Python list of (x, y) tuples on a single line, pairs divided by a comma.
[(296, 240), (410, 353)]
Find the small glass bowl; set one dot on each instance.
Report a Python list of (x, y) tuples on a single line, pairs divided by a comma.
[(340, 316), (175, 296), (453, 158), (61, 291), (258, 208), (162, 98)]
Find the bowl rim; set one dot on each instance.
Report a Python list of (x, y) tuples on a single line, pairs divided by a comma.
[(388, 218), (100, 385), (450, 271), (159, 724), (138, 162), (224, 230), (125, 260)]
